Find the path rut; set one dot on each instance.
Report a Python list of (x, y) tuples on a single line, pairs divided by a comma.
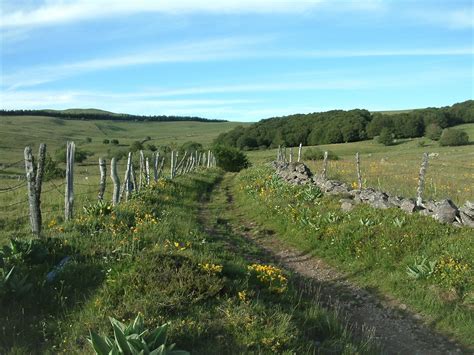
[(395, 328)]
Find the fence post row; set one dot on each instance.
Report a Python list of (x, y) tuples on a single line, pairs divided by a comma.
[(325, 165), (359, 176), (103, 175), (69, 191), (299, 152), (116, 181), (34, 180), (421, 180)]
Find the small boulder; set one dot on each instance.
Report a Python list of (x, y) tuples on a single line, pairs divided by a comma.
[(346, 205), (408, 205), (445, 211)]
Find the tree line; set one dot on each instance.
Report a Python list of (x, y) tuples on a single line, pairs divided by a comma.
[(339, 126), (104, 116)]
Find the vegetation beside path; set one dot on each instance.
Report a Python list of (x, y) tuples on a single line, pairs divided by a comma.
[(166, 256), (425, 265)]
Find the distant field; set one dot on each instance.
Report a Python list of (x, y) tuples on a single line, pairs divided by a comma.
[(18, 131), (395, 168)]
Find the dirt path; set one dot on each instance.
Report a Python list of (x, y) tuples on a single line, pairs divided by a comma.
[(395, 328)]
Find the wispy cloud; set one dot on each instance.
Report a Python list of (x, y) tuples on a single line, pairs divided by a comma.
[(456, 18), (218, 49), (55, 12)]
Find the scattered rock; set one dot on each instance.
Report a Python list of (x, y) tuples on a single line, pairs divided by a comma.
[(445, 211), (347, 205), (408, 205)]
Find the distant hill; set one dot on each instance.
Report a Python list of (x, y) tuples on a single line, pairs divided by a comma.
[(96, 114), (339, 126)]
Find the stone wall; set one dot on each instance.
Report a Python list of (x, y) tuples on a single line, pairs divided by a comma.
[(444, 211)]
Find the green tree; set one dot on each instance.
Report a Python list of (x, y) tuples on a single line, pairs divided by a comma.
[(151, 147), (106, 141), (433, 131), (453, 137), (136, 146), (114, 141), (230, 159), (386, 136)]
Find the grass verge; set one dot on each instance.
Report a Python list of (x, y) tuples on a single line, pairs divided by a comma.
[(422, 263)]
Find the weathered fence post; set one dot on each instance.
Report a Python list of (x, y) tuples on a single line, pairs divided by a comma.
[(208, 159), (160, 169), (291, 154), (141, 171), (34, 181), (421, 180), (156, 157), (69, 192), (103, 176), (279, 153), (284, 154), (172, 165), (359, 176), (147, 171), (325, 165), (299, 152), (116, 181)]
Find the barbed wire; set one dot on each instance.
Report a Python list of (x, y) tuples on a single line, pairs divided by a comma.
[(12, 188), (11, 164), (14, 204)]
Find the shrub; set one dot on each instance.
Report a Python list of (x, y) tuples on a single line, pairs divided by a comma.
[(230, 159), (318, 154), (433, 131), (114, 141), (106, 141), (135, 146), (52, 170), (79, 156), (151, 147), (453, 137), (386, 136), (88, 139), (190, 147)]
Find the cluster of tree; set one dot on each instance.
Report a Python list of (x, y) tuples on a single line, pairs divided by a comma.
[(339, 126), (103, 116)]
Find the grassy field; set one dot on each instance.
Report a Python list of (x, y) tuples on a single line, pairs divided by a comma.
[(18, 131), (395, 168)]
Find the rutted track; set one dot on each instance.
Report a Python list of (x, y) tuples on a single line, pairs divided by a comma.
[(395, 328)]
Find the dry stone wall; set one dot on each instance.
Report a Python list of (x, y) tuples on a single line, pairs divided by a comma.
[(444, 211)]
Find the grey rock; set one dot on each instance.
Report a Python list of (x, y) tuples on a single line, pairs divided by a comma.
[(395, 201), (467, 220), (445, 211), (346, 205), (408, 205)]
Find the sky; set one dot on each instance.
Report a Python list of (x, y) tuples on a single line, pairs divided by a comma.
[(240, 60)]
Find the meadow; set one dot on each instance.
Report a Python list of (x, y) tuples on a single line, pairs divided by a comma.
[(395, 168)]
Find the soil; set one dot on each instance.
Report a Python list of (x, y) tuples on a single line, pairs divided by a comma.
[(394, 327)]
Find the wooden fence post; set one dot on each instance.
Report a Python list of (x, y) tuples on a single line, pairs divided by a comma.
[(291, 154), (116, 181), (325, 165), (103, 176), (160, 169), (156, 158), (172, 165), (299, 152), (141, 171), (34, 181), (421, 180), (359, 176), (279, 153), (69, 192), (147, 171), (208, 159)]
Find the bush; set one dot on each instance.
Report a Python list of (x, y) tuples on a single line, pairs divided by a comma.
[(114, 141), (452, 137), (79, 156), (52, 170), (318, 154), (230, 159), (135, 146), (433, 131), (190, 147), (88, 139), (106, 141), (151, 147), (386, 136)]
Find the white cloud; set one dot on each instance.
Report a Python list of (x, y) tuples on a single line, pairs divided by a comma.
[(459, 18), (59, 12)]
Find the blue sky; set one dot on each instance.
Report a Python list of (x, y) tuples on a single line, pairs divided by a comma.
[(240, 60)]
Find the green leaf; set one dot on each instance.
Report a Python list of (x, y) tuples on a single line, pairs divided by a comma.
[(157, 336), (100, 346), (138, 323), (120, 340), (119, 324)]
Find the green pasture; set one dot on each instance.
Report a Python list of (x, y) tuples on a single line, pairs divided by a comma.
[(395, 168)]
